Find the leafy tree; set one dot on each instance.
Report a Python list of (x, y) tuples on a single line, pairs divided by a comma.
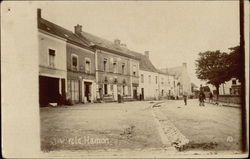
[(235, 61), (213, 67)]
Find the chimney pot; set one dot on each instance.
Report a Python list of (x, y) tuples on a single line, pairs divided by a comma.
[(78, 29), (146, 53), (124, 45), (117, 42)]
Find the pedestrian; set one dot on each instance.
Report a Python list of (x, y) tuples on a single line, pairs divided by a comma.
[(185, 99), (210, 97), (202, 98)]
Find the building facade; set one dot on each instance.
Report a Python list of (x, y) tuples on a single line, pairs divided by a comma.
[(231, 87), (80, 74), (148, 78), (52, 64), (182, 79), (116, 68), (166, 85)]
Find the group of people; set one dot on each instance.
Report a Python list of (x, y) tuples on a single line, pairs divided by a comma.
[(202, 97)]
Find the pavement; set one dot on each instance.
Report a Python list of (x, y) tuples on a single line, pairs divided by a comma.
[(155, 127)]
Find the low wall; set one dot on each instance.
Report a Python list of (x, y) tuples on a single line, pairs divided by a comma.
[(229, 99)]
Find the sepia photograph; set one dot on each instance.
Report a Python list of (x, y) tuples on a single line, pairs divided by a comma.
[(125, 79)]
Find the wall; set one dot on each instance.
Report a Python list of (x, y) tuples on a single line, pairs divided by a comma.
[(82, 54), (229, 99), (185, 81), (109, 73), (47, 42), (224, 88), (151, 88)]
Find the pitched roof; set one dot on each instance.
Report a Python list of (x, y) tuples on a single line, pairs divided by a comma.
[(176, 71), (145, 63), (60, 31), (103, 43)]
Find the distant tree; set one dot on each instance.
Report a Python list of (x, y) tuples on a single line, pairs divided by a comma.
[(213, 66)]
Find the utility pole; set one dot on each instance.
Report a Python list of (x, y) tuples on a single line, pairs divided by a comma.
[(243, 90)]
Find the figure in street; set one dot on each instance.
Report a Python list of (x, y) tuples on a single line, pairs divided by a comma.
[(210, 97), (185, 99), (202, 98)]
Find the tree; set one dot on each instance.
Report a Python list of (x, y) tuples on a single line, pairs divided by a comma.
[(235, 61), (213, 67)]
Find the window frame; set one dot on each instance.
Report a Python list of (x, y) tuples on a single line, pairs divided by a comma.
[(77, 62), (48, 54), (142, 78), (105, 64), (123, 68), (86, 59)]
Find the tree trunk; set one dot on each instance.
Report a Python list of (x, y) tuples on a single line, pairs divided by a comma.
[(217, 92)]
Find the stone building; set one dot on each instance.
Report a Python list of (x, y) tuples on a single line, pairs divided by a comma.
[(116, 68), (231, 87), (149, 77), (166, 85), (67, 65), (52, 62), (181, 75)]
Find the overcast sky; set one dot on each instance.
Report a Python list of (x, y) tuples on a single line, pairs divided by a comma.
[(173, 32)]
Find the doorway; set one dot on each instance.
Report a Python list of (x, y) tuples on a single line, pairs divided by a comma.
[(135, 92), (142, 93), (87, 91), (48, 90)]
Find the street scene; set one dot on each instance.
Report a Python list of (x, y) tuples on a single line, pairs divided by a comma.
[(136, 126), (173, 85)]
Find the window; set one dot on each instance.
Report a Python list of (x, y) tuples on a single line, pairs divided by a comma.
[(134, 70), (87, 65), (123, 68), (115, 67), (52, 54), (149, 78), (74, 62), (142, 78), (233, 81), (105, 89), (156, 79), (105, 65)]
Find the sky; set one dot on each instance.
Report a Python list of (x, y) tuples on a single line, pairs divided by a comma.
[(173, 31)]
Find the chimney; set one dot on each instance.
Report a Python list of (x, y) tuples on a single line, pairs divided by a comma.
[(117, 42), (124, 45), (184, 64), (39, 13), (146, 53), (78, 29)]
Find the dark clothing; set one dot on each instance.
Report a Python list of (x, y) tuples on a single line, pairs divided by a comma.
[(185, 99), (202, 98)]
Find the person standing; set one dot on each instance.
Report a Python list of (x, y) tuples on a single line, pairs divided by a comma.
[(210, 97), (185, 99), (202, 98)]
